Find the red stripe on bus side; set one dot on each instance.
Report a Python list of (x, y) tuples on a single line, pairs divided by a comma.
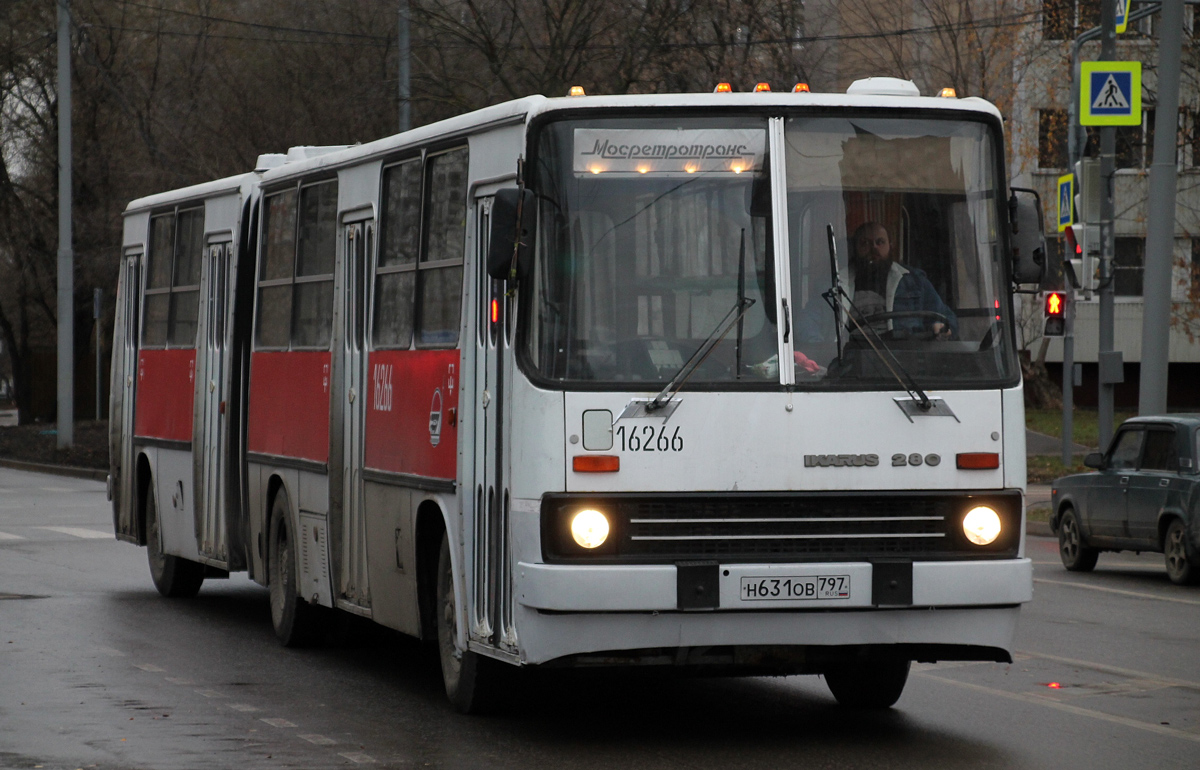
[(289, 404), (412, 414), (165, 393)]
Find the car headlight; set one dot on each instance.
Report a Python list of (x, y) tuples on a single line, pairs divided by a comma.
[(589, 528), (981, 525)]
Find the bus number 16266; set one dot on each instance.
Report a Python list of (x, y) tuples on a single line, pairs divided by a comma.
[(644, 438)]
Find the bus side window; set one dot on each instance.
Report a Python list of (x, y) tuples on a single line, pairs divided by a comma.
[(158, 280), (441, 273), (312, 302), (272, 327), (185, 280), (395, 275)]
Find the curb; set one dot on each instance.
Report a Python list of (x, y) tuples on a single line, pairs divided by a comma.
[(94, 474)]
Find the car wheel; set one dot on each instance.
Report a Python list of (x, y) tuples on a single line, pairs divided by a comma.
[(1183, 563), (869, 685), (1076, 555), (173, 577)]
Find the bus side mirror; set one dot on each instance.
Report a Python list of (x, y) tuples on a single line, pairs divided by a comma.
[(506, 230), (1028, 240)]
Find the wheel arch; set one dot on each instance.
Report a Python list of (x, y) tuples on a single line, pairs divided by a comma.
[(1164, 523), (431, 526), (143, 489), (274, 484)]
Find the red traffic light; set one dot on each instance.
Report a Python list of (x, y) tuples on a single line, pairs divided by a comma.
[(1056, 303)]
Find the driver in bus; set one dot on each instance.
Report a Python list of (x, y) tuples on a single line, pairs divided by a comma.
[(878, 285)]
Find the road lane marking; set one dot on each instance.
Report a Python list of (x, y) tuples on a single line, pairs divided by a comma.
[(6, 536), (358, 758), (87, 534), (319, 740), (111, 652), (1127, 672), (211, 693), (1069, 708), (153, 669), (177, 680), (1105, 589), (277, 722), (246, 707)]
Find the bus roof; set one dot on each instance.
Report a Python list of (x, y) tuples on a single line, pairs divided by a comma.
[(530, 107), (228, 185)]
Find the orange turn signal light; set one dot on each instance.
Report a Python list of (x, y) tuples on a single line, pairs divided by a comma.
[(948, 93), (978, 461), (800, 88), (760, 87), (723, 88), (596, 463), (576, 91)]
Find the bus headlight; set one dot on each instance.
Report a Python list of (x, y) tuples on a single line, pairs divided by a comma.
[(590, 528), (981, 525)]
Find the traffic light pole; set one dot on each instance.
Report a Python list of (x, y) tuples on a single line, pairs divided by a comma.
[(1160, 231), (1068, 382), (1107, 362)]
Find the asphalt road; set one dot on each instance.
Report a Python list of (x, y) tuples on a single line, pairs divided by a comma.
[(97, 670)]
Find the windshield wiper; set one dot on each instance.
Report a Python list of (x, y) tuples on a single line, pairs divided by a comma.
[(693, 363), (836, 296)]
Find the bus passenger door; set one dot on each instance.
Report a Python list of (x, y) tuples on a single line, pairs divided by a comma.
[(210, 484), (491, 580), (357, 242), (121, 392)]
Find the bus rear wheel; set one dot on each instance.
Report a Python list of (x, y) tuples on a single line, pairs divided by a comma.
[(173, 577), (868, 685), (470, 678), (294, 619)]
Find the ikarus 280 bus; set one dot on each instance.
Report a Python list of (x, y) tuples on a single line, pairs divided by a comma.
[(723, 381)]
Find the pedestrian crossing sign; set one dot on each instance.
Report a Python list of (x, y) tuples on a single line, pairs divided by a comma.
[(1066, 199), (1122, 15), (1110, 93)]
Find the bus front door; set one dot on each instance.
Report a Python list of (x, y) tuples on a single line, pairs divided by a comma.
[(490, 572)]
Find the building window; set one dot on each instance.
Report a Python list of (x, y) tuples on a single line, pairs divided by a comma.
[(1052, 138), (1129, 263), (1065, 19)]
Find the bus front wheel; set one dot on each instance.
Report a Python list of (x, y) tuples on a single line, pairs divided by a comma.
[(173, 577), (868, 685), (470, 678)]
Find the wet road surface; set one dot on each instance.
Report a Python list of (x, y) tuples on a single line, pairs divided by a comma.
[(97, 670)]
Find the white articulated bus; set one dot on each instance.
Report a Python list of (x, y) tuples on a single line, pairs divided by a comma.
[(726, 381)]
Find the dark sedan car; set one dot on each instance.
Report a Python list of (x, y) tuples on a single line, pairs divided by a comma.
[(1143, 496)]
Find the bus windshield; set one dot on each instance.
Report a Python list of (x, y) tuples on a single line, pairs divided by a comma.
[(651, 231)]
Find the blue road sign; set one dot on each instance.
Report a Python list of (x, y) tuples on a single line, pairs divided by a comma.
[(1122, 15), (1066, 197), (1111, 94)]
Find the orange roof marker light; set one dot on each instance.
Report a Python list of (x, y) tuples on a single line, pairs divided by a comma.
[(576, 91), (759, 88), (948, 93), (723, 88), (801, 88)]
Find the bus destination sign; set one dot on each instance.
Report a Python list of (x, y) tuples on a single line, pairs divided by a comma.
[(668, 152)]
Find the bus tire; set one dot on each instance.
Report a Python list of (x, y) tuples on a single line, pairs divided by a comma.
[(294, 619), (174, 577), (469, 677), (868, 685)]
